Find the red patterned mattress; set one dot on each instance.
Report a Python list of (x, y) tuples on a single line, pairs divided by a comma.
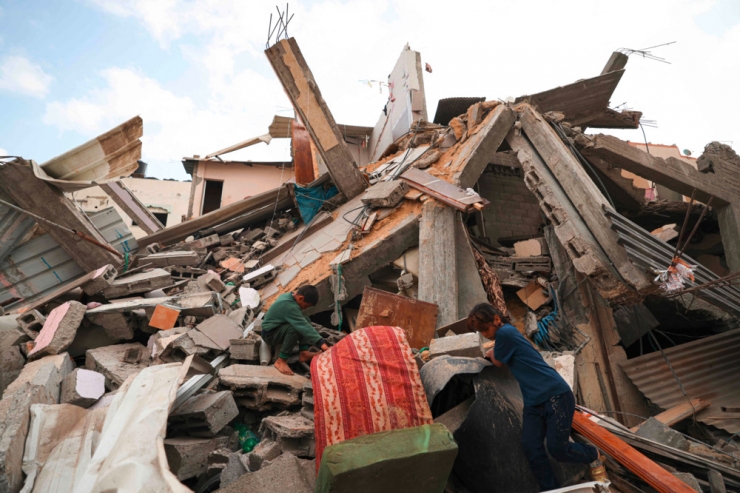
[(368, 382)]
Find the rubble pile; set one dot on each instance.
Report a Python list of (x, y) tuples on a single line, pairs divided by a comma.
[(137, 364)]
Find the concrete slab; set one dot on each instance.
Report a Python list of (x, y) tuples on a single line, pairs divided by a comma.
[(467, 345), (262, 387), (82, 388), (294, 433), (205, 414), (47, 372), (288, 275), (59, 330), (140, 282), (220, 329), (188, 457), (286, 473), (109, 361), (309, 258)]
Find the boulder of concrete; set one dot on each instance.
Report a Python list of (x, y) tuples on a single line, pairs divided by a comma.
[(262, 388), (265, 451), (110, 362), (82, 388), (415, 459), (294, 434), (468, 345), (11, 365), (653, 429), (139, 282), (59, 330), (205, 414), (188, 456), (286, 473), (47, 372)]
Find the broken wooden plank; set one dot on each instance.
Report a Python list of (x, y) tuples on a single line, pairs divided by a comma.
[(443, 191), (291, 68), (678, 412), (617, 61), (47, 201), (609, 118), (132, 206), (475, 154), (438, 277), (582, 192), (417, 318)]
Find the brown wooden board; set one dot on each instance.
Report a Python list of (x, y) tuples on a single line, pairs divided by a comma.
[(302, 155), (417, 318), (441, 190)]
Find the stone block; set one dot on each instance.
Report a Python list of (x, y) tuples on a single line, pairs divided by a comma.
[(385, 193), (82, 388), (31, 323), (246, 349), (205, 414), (262, 388), (47, 372), (294, 433), (11, 365), (188, 456), (415, 459), (265, 451), (140, 282), (662, 433), (59, 330), (109, 361), (468, 345), (285, 474)]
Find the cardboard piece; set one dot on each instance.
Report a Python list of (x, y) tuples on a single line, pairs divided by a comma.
[(535, 247), (533, 295)]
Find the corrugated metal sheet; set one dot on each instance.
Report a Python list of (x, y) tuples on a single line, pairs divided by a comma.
[(13, 226), (449, 108), (36, 267), (708, 369)]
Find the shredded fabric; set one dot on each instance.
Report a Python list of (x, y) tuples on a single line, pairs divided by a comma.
[(676, 276)]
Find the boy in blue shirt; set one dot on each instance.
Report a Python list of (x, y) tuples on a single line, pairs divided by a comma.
[(549, 403)]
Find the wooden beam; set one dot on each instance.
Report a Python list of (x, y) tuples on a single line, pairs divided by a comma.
[(438, 277), (678, 413), (300, 86), (302, 155), (132, 206), (617, 61), (582, 192), (609, 118), (476, 153), (40, 198)]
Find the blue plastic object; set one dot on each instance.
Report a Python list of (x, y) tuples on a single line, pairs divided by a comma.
[(310, 200)]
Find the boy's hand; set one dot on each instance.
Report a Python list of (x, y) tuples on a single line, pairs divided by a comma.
[(324, 347), (489, 355)]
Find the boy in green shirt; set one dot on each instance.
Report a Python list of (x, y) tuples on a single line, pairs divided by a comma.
[(284, 325)]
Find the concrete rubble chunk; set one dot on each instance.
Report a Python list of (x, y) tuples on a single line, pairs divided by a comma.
[(415, 459), (102, 278), (307, 401), (59, 330), (234, 469), (467, 345), (286, 473), (47, 372), (188, 456), (662, 433), (220, 329), (11, 365), (212, 282), (166, 259), (139, 282), (294, 433), (31, 322), (385, 193), (247, 349), (262, 388), (109, 361), (265, 451), (11, 335), (82, 388), (205, 414), (689, 479)]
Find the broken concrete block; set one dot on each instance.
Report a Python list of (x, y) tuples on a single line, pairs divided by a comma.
[(662, 433), (286, 473), (294, 434), (455, 417), (47, 372), (140, 282), (31, 322), (101, 280), (166, 259), (265, 451), (689, 479), (234, 469), (212, 281), (246, 349), (12, 336), (109, 361), (205, 242), (15, 416), (204, 415), (188, 457), (415, 459), (220, 329), (59, 330), (307, 402), (82, 388), (11, 365), (385, 193), (262, 388), (468, 345)]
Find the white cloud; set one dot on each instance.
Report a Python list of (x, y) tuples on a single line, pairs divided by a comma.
[(3, 152), (18, 74)]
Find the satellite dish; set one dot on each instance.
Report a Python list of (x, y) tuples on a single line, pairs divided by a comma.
[(686, 152)]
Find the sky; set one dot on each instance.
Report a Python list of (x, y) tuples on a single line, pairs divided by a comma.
[(196, 72)]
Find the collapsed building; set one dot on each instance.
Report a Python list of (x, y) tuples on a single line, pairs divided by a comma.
[(143, 355)]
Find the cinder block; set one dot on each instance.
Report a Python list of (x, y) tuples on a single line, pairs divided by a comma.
[(246, 349), (265, 451), (188, 457), (108, 360), (262, 388), (307, 402), (59, 330), (31, 322), (82, 388), (468, 345), (385, 193), (139, 282), (205, 414), (294, 434), (102, 279)]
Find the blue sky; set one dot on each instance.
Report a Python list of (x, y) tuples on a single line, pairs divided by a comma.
[(196, 73)]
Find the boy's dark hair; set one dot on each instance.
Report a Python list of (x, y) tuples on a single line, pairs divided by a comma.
[(310, 294), (485, 313)]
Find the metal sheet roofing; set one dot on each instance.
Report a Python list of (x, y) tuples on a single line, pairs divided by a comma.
[(449, 108), (708, 369)]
